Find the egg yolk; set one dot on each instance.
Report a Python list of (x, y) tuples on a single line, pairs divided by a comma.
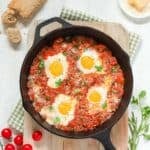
[(56, 68), (95, 97), (64, 108), (87, 62)]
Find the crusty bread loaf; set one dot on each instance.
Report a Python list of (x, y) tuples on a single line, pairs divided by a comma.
[(19, 9), (26, 8), (9, 17), (13, 35)]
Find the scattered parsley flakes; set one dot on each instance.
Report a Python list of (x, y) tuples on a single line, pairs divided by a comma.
[(56, 120), (58, 83), (50, 108), (104, 105), (99, 68), (41, 64)]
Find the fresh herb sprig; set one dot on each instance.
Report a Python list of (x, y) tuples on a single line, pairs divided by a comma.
[(140, 127)]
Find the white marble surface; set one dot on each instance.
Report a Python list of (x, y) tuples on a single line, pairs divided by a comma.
[(11, 58)]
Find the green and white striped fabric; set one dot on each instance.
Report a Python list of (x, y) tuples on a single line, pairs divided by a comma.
[(16, 119)]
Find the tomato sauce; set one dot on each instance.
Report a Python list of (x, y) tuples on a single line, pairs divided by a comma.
[(77, 83)]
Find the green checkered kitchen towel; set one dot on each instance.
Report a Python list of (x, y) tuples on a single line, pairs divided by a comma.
[(16, 119)]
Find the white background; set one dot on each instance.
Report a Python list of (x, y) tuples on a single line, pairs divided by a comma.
[(11, 57)]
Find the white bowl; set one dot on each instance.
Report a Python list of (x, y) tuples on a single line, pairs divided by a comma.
[(132, 13)]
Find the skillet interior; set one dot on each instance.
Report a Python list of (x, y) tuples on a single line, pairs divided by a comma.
[(123, 60)]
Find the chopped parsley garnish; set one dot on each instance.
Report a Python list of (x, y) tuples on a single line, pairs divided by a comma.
[(56, 120), (104, 105), (41, 64), (50, 108), (99, 68), (58, 83)]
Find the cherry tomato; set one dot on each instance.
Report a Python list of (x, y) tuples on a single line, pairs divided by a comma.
[(27, 147), (37, 135), (6, 133), (18, 140), (9, 147)]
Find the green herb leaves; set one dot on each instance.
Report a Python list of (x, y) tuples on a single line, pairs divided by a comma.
[(99, 68), (50, 108), (104, 105), (146, 112), (58, 82), (142, 94), (41, 64), (139, 127), (147, 136), (56, 120), (136, 100)]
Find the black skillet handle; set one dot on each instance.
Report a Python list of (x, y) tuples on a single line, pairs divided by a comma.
[(47, 22), (104, 138)]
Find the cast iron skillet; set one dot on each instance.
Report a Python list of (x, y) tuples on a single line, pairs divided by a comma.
[(102, 132)]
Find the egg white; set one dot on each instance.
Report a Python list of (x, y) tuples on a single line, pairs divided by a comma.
[(50, 115), (97, 62), (97, 106), (51, 78)]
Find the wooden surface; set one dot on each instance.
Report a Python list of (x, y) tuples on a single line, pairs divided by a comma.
[(119, 133)]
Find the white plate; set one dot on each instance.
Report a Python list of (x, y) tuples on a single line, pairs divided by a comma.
[(132, 13)]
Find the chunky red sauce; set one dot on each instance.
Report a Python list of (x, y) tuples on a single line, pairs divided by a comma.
[(77, 83)]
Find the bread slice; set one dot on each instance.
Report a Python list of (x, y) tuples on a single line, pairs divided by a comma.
[(9, 17), (13, 35), (26, 8)]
